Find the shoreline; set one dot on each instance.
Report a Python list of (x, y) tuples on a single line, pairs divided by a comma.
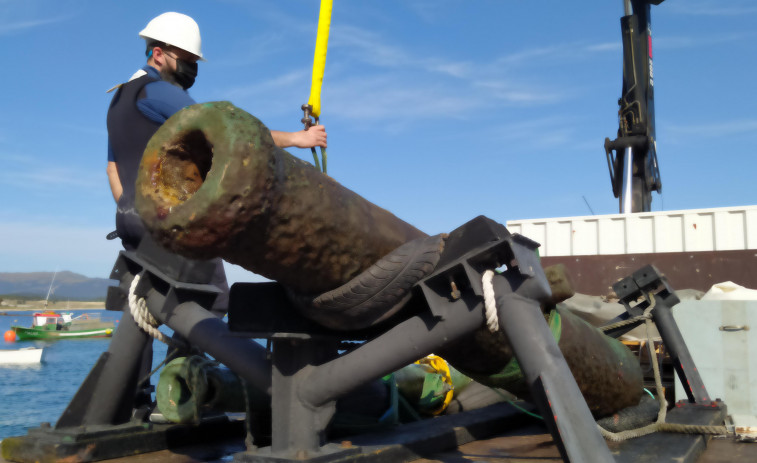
[(60, 306)]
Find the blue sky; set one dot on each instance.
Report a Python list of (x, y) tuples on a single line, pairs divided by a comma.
[(436, 110)]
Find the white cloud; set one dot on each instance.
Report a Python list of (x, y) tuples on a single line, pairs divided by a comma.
[(368, 47), (284, 82), (371, 48), (453, 69), (13, 158), (529, 55), (395, 84), (399, 85), (606, 46), (519, 94), (12, 27), (429, 11), (37, 177), (542, 133), (391, 99), (263, 48), (552, 53)]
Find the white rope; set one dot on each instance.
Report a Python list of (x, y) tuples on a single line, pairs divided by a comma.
[(653, 427), (660, 424), (142, 316), (490, 304), (626, 322)]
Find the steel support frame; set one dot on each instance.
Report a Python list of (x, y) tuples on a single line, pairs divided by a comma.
[(106, 399), (481, 245), (107, 418), (109, 394), (649, 285), (175, 304), (308, 374)]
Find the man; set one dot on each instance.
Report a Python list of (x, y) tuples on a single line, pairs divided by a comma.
[(149, 98), (139, 107)]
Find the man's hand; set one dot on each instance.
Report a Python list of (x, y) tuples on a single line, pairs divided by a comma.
[(310, 138)]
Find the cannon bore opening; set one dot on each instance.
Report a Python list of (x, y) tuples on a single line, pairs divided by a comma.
[(183, 167)]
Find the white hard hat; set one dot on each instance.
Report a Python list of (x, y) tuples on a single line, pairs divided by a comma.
[(175, 29)]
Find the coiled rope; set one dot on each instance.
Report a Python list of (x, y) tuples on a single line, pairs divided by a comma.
[(490, 304), (143, 317), (492, 323), (147, 323)]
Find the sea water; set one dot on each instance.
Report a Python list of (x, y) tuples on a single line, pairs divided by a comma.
[(30, 395)]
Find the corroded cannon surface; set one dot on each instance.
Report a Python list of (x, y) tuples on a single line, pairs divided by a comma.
[(213, 184), (606, 371)]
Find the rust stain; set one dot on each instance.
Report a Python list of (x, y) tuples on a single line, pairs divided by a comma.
[(82, 455)]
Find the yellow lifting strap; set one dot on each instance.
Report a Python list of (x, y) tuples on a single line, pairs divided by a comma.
[(440, 366), (319, 60)]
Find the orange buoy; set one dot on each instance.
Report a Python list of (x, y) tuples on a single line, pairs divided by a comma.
[(10, 336)]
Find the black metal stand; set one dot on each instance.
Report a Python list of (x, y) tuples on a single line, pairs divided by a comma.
[(309, 387), (647, 284), (107, 417), (307, 370)]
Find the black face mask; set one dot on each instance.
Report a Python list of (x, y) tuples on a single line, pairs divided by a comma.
[(185, 73)]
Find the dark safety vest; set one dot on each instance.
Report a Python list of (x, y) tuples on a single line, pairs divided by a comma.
[(129, 130)]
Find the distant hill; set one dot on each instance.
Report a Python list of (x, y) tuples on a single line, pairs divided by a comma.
[(67, 285)]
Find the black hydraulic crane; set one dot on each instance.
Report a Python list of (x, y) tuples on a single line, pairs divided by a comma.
[(632, 156)]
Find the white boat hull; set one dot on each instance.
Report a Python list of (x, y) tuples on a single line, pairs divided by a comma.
[(24, 356)]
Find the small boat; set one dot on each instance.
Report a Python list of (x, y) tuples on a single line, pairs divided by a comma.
[(23, 356), (50, 325)]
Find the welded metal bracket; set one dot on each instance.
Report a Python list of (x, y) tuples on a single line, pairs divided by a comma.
[(107, 415), (648, 286), (452, 297), (309, 373)]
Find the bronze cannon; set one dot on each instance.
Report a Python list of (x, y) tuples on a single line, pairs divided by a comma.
[(213, 184)]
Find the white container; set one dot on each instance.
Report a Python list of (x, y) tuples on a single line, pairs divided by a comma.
[(721, 336), (717, 229)]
